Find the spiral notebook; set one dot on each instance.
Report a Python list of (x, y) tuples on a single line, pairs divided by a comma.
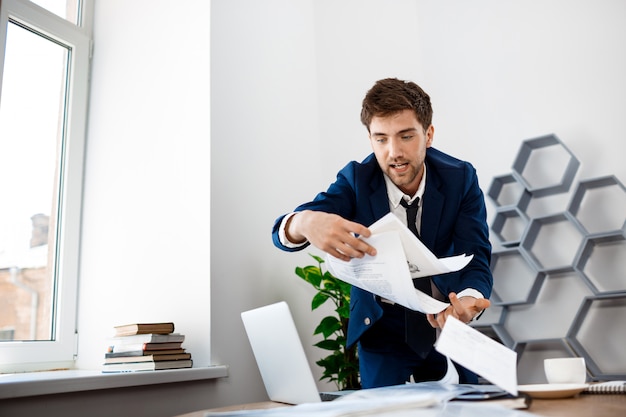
[(609, 387)]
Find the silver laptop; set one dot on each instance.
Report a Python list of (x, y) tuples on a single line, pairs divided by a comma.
[(280, 356)]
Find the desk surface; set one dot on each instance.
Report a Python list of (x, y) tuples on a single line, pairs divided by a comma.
[(584, 405), (251, 406)]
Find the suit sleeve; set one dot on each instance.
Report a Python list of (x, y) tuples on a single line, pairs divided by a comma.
[(470, 235)]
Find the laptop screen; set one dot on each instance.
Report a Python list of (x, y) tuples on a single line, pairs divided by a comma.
[(279, 354)]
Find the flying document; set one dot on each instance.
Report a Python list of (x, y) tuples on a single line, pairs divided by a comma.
[(401, 257)]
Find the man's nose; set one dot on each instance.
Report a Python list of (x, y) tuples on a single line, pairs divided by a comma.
[(395, 148)]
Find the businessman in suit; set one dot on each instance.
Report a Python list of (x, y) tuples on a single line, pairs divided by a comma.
[(395, 345)]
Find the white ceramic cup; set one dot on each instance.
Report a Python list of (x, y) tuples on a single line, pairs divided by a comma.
[(565, 370)]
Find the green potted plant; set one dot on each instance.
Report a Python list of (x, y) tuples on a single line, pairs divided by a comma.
[(341, 365)]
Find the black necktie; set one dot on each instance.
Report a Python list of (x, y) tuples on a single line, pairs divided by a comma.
[(411, 214), (420, 335)]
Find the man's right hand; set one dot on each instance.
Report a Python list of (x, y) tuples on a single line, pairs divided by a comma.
[(329, 232)]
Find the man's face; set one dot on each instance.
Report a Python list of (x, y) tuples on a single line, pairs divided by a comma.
[(399, 143)]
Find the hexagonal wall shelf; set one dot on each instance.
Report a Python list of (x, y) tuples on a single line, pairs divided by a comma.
[(492, 315), (559, 283), (553, 241), (505, 190), (515, 281), (550, 316), (598, 335), (509, 226), (545, 166), (490, 324), (603, 262), (599, 205)]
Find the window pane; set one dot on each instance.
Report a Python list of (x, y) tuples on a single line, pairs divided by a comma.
[(32, 114), (67, 9)]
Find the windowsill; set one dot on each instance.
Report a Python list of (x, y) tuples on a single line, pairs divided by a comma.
[(56, 382)]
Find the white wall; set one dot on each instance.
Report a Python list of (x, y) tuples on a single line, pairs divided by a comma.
[(287, 78), (501, 72), (145, 242)]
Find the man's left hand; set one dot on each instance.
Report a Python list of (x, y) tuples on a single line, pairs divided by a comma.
[(464, 309)]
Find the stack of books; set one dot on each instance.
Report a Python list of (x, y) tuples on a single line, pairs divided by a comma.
[(146, 347)]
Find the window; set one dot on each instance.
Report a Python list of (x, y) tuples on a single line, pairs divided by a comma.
[(44, 68)]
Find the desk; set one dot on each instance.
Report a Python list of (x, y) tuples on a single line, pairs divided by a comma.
[(251, 406), (585, 405), (582, 406)]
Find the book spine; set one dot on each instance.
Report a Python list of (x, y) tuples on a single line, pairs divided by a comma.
[(148, 338), (155, 347)]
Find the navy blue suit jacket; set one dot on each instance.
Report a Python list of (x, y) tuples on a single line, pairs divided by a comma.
[(453, 222)]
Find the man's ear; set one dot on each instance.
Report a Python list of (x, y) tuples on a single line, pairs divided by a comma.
[(430, 133)]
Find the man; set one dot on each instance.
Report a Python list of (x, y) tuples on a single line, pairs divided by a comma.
[(395, 345)]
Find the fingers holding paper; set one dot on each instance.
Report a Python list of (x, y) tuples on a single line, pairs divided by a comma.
[(463, 309), (330, 233)]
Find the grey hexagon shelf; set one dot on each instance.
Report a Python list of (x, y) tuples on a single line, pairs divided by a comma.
[(545, 166), (560, 288), (553, 242), (599, 205), (489, 323), (502, 334), (516, 281), (494, 315), (532, 353), (550, 316), (509, 226), (505, 190), (603, 262), (597, 333), (524, 201)]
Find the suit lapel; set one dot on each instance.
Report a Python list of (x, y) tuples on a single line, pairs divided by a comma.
[(379, 201), (431, 209)]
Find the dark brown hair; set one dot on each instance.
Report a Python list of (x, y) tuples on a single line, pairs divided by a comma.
[(390, 96)]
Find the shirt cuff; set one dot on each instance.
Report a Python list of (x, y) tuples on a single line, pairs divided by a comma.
[(471, 293), (282, 236)]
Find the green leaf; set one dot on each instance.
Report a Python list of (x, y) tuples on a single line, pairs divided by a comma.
[(300, 272), (345, 289), (311, 274), (318, 299), (344, 310), (317, 258), (328, 344), (331, 363), (330, 284), (328, 326)]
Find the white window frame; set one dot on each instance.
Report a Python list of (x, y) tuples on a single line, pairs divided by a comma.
[(20, 356)]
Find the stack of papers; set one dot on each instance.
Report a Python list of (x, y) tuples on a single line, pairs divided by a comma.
[(401, 257), (427, 399)]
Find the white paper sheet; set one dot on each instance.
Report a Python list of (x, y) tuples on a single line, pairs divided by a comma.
[(479, 353), (386, 274), (422, 262), (400, 258)]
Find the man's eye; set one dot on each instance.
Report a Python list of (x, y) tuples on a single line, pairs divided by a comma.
[(407, 137), (381, 140)]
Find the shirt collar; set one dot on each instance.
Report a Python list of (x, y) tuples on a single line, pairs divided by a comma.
[(395, 194)]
